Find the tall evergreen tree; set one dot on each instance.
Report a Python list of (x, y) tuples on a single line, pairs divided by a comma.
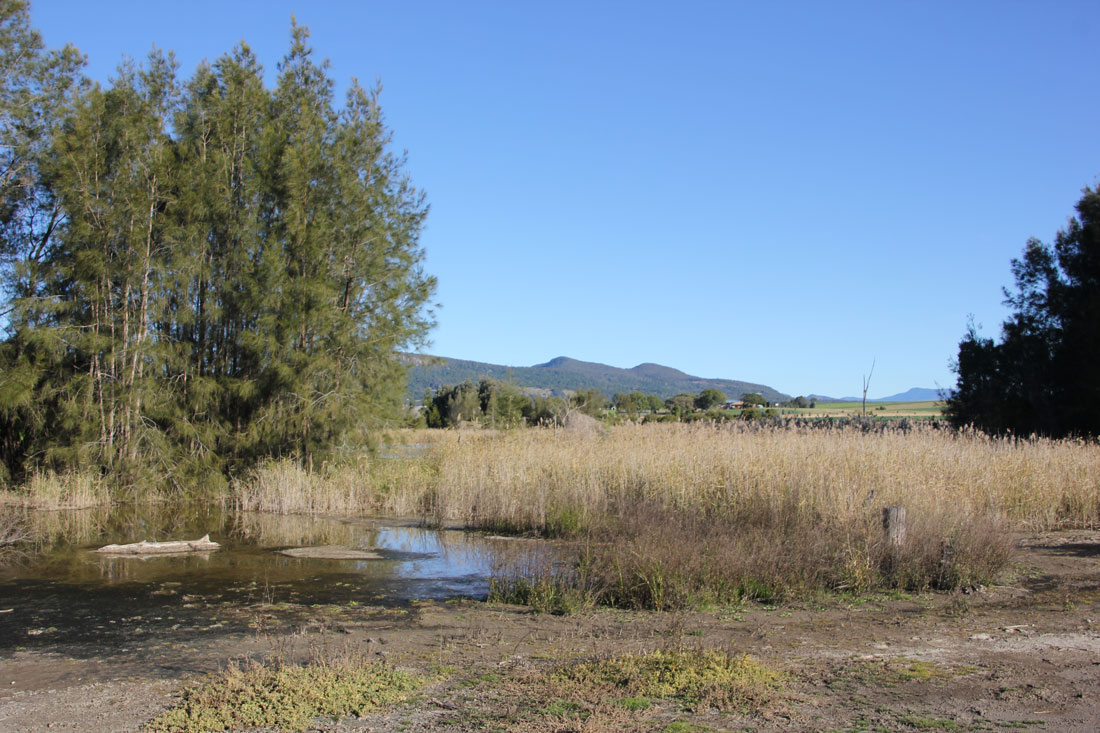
[(227, 276), (1043, 377), (35, 85)]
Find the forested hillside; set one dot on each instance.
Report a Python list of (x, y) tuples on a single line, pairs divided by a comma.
[(564, 374), (198, 273)]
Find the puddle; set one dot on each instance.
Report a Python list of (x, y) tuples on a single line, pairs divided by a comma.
[(62, 592)]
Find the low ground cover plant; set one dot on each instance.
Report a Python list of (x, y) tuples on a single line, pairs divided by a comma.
[(694, 678), (286, 697), (632, 691)]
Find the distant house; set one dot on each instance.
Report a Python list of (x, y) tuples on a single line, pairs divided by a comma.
[(734, 405)]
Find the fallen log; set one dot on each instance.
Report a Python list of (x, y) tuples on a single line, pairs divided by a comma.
[(203, 544)]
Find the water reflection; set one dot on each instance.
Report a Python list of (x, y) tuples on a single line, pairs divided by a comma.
[(62, 595), (412, 557)]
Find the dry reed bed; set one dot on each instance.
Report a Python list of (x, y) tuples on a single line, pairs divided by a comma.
[(526, 477), (530, 478), (677, 515), (533, 479), (68, 490), (673, 515)]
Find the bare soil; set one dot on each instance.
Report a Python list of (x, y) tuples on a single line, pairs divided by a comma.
[(1023, 654)]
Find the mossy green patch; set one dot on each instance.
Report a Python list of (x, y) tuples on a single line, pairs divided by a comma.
[(713, 678), (286, 697)]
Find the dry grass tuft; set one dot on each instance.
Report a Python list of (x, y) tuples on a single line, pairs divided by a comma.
[(368, 486), (48, 490), (13, 531)]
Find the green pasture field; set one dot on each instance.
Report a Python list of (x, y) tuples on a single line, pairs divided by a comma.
[(929, 408)]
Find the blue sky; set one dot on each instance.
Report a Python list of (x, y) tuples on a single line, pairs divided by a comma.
[(774, 192)]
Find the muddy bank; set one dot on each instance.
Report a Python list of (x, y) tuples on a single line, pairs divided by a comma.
[(1019, 655)]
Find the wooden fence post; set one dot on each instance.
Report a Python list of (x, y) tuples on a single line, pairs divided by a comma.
[(893, 524)]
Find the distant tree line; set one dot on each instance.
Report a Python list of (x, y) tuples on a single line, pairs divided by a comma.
[(502, 404), (200, 273), (1043, 376), (495, 403)]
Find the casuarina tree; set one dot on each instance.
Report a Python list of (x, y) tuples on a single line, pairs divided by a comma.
[(219, 272), (1043, 376)]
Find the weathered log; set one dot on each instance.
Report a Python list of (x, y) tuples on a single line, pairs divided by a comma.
[(203, 544)]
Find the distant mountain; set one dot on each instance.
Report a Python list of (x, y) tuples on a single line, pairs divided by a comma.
[(563, 374), (913, 394)]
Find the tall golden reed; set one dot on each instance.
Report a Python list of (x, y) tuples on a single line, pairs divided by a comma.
[(49, 490), (530, 479), (525, 477)]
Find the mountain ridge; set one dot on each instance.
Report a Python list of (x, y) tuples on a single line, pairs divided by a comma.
[(913, 394), (564, 374)]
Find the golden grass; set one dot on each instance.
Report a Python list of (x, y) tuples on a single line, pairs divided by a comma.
[(681, 514), (530, 477), (370, 485), (542, 478), (67, 490), (675, 515)]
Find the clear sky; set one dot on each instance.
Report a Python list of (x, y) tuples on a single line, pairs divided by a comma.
[(774, 192)]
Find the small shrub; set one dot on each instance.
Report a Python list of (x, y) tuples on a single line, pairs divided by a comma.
[(544, 593), (697, 678), (286, 697)]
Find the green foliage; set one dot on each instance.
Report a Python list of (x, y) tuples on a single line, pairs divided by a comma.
[(502, 404), (227, 275), (1043, 377), (561, 376), (635, 402), (681, 404), (709, 398), (701, 678), (589, 401), (495, 403), (543, 410), (753, 398), (286, 697), (490, 403)]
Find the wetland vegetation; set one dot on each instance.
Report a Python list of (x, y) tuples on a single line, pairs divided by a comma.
[(206, 284), (670, 516)]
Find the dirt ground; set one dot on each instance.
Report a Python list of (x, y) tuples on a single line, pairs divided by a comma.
[(1023, 654)]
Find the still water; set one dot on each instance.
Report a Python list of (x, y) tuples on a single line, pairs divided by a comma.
[(61, 590)]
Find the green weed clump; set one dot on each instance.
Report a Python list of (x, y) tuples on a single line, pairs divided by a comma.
[(286, 697), (693, 678), (542, 594), (633, 691)]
